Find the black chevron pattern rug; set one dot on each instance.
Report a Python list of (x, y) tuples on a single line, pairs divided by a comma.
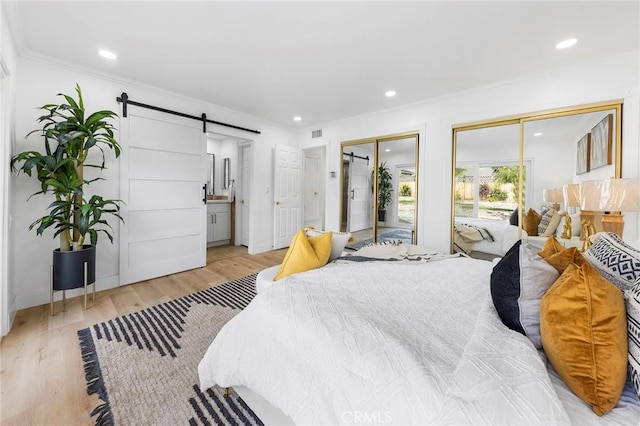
[(144, 366)]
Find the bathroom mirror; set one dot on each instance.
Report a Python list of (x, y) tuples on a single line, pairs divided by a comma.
[(211, 175), (226, 173)]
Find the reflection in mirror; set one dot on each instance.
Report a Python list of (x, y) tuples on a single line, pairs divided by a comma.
[(562, 156), (486, 189), (397, 200), (357, 196), (211, 175), (379, 190), (560, 149)]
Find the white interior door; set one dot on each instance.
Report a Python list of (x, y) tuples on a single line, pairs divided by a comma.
[(244, 195), (313, 196), (162, 173), (287, 199), (359, 196)]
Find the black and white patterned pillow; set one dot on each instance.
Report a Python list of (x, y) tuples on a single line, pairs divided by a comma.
[(393, 242), (633, 331), (617, 261), (546, 219)]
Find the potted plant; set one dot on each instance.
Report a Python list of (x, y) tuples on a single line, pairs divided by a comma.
[(385, 187), (69, 135)]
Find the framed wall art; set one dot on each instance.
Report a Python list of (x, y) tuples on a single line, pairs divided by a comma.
[(601, 143), (583, 160)]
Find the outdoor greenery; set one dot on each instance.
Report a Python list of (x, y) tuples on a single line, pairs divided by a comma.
[(405, 190), (508, 174), (69, 134)]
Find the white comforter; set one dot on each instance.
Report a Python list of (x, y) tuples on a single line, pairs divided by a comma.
[(388, 343)]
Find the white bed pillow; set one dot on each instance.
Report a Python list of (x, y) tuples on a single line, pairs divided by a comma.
[(338, 241)]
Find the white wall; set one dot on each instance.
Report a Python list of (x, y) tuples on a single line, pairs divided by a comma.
[(606, 79), (7, 96), (38, 82)]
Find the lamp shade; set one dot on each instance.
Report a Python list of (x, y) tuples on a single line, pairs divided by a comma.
[(554, 195), (591, 195), (623, 195), (571, 195), (616, 195)]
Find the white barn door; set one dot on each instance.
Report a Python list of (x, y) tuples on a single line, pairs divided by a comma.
[(359, 196), (286, 195), (162, 171)]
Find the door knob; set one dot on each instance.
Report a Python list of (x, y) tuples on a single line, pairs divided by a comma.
[(315, 192), (241, 201), (277, 203)]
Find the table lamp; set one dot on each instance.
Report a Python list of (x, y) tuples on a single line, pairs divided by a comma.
[(619, 195), (612, 196), (554, 196)]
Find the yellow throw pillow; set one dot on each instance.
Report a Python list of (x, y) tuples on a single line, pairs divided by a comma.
[(563, 259), (531, 221), (559, 256), (305, 254), (583, 326), (551, 247)]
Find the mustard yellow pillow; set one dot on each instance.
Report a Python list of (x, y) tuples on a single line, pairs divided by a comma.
[(583, 327), (551, 247), (531, 221), (559, 256), (305, 254), (563, 259)]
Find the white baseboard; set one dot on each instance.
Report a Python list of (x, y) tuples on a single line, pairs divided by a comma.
[(41, 297), (260, 248)]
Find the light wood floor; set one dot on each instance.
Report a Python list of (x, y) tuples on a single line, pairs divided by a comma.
[(42, 378)]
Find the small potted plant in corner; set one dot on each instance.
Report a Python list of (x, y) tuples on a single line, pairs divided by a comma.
[(385, 187), (69, 134)]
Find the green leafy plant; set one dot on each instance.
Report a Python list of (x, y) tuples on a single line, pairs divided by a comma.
[(405, 190), (69, 135), (385, 186), (497, 194), (508, 175)]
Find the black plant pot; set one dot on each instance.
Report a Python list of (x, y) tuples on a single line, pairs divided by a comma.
[(68, 267), (382, 215)]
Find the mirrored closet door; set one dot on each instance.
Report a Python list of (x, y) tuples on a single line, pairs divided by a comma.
[(380, 189), (506, 168)]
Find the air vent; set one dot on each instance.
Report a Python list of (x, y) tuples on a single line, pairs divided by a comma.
[(316, 133)]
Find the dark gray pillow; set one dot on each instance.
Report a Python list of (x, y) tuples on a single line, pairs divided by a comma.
[(513, 219), (518, 283)]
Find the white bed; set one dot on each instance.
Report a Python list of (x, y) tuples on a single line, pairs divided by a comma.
[(393, 343), (504, 234)]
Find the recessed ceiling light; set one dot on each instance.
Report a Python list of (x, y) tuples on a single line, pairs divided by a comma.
[(538, 134), (107, 54), (387, 150), (566, 43), (297, 118), (390, 93)]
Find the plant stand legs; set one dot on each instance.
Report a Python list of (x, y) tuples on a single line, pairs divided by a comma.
[(64, 292)]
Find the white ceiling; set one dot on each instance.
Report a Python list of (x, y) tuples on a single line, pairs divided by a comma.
[(323, 61)]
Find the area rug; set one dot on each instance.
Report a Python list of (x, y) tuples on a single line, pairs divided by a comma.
[(144, 366), (403, 235)]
